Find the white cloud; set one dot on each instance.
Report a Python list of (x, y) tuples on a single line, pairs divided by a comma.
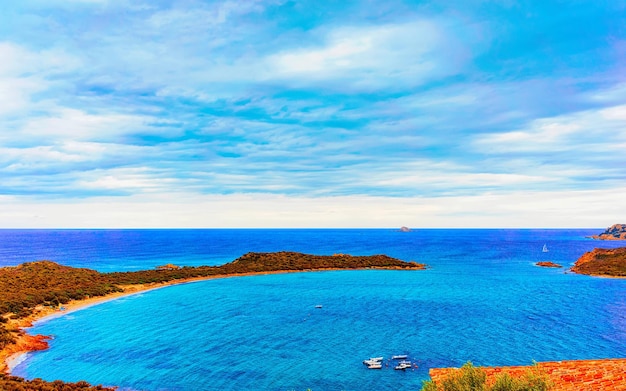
[(78, 125), (598, 130), (133, 180), (374, 55)]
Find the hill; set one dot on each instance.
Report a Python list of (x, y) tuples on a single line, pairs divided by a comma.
[(614, 232), (602, 262)]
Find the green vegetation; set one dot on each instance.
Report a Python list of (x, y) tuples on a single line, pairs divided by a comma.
[(603, 262), (26, 286), (262, 263), (471, 378)]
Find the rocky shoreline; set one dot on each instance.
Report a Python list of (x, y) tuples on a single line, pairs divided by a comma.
[(614, 232), (602, 262)]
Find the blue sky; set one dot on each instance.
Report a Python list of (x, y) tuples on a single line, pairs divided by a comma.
[(133, 113)]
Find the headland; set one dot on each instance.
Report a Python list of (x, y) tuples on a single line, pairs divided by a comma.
[(614, 232), (602, 263)]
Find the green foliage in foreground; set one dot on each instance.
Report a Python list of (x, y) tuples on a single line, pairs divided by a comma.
[(471, 378)]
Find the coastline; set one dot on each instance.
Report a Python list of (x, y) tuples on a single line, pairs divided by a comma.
[(14, 354)]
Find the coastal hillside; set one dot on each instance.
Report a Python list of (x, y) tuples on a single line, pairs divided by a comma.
[(614, 232), (24, 287), (602, 262), (263, 263), (285, 260)]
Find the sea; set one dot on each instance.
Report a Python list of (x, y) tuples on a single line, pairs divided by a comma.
[(482, 299)]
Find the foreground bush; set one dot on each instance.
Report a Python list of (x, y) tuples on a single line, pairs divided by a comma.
[(14, 383), (471, 378)]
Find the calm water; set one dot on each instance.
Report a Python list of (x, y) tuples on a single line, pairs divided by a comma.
[(482, 300)]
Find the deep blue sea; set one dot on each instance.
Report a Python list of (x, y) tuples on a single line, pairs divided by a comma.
[(482, 300)]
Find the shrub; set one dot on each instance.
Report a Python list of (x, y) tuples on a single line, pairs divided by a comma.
[(471, 378)]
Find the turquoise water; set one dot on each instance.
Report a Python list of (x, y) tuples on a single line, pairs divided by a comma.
[(482, 300)]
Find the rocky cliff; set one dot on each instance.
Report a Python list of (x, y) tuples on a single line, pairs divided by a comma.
[(602, 262), (614, 232)]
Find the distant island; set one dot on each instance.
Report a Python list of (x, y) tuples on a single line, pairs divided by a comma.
[(602, 262), (405, 229), (34, 290), (548, 264), (614, 232)]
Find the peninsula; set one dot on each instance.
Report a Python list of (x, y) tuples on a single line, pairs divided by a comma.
[(34, 290), (614, 232), (602, 262)]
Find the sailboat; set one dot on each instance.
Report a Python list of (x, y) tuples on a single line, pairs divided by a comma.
[(545, 249)]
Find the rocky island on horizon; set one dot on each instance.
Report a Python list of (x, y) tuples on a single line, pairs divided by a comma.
[(614, 232)]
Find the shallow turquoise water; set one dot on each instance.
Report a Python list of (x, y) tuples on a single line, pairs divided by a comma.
[(482, 300)]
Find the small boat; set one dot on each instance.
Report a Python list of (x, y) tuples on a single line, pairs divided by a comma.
[(318, 306), (399, 357), (373, 361), (375, 366), (545, 249), (402, 365)]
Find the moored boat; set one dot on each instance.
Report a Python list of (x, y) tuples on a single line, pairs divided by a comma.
[(402, 365), (373, 360)]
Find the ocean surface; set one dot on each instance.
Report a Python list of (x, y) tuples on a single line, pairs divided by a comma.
[(482, 300)]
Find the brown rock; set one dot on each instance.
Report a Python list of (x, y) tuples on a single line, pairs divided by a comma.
[(602, 262), (614, 232), (547, 264)]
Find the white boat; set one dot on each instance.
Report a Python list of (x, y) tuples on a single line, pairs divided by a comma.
[(378, 365), (545, 249), (373, 361), (318, 306), (403, 365), (399, 357)]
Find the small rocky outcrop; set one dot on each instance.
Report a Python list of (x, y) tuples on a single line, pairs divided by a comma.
[(548, 264), (614, 232), (602, 262), (405, 229)]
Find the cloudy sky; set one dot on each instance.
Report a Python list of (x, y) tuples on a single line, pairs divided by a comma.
[(273, 113)]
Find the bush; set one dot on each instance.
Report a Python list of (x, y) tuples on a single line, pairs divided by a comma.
[(471, 378)]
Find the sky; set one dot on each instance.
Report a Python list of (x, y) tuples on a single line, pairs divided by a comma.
[(274, 113)]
